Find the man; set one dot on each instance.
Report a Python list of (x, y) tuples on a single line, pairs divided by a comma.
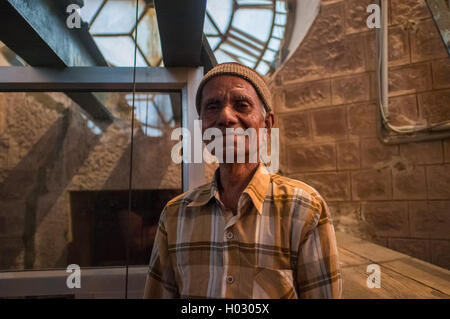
[(248, 233)]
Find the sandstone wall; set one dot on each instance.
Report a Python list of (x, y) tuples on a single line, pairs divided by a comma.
[(395, 195)]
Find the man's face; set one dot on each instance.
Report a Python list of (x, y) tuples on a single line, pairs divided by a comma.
[(231, 102)]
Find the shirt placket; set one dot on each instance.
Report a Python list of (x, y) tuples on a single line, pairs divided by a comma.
[(233, 277)]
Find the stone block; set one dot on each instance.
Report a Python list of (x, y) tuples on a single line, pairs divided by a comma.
[(305, 158), (430, 219), (13, 214), (17, 184), (332, 186), (295, 126), (447, 150), (440, 253), (315, 61), (10, 250), (403, 110), (409, 79), (404, 10), (346, 217), (441, 73), (308, 95), (438, 181), (330, 122), (362, 119), (371, 184), (356, 15), (355, 88), (388, 219), (435, 106), (375, 154), (409, 182), (426, 42), (422, 152), (398, 52), (348, 155), (417, 248), (4, 150)]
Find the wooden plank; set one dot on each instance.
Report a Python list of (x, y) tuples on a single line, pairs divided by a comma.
[(393, 284), (422, 272)]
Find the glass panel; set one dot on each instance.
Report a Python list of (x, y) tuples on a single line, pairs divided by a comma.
[(281, 6), (269, 55), (262, 68), (220, 10), (274, 44), (148, 38), (117, 16), (278, 32), (89, 9), (119, 51), (280, 19), (254, 2), (259, 24), (9, 57), (64, 179), (222, 57), (209, 28), (239, 53), (213, 42)]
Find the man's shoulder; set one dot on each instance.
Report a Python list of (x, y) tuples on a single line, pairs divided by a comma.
[(290, 186), (189, 196)]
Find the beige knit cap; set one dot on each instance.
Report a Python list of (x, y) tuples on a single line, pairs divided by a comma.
[(248, 74)]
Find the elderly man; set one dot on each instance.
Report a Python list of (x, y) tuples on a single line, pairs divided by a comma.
[(248, 233)]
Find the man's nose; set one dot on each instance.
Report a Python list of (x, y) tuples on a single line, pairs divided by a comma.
[(227, 116)]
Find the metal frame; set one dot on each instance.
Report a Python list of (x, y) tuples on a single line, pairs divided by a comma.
[(96, 283), (99, 79)]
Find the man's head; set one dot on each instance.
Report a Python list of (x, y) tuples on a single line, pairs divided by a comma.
[(234, 96)]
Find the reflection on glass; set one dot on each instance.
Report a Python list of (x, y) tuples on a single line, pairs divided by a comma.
[(64, 178)]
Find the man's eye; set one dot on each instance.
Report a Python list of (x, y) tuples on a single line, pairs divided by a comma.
[(212, 106), (243, 105)]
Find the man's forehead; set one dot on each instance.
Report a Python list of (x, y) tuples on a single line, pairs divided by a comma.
[(223, 84)]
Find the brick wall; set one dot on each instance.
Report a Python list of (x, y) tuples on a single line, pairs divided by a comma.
[(325, 105)]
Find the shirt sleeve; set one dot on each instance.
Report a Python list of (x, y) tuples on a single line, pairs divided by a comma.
[(318, 273), (160, 282)]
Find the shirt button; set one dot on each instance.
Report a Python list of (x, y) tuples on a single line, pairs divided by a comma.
[(230, 235), (230, 279)]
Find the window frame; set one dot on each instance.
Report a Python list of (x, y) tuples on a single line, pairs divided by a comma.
[(184, 80)]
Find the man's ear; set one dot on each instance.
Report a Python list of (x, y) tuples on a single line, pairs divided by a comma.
[(269, 120)]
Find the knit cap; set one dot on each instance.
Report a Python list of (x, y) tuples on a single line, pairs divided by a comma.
[(244, 72)]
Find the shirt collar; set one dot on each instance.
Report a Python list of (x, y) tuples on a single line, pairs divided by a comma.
[(256, 189)]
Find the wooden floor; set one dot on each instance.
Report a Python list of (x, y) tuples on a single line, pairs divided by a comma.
[(401, 276)]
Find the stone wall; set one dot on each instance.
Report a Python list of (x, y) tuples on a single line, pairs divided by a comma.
[(326, 104)]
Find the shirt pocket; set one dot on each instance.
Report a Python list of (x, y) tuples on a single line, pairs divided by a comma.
[(273, 284)]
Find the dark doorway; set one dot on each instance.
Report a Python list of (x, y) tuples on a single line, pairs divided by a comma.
[(99, 226)]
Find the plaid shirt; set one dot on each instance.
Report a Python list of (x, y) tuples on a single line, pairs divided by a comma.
[(280, 244)]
